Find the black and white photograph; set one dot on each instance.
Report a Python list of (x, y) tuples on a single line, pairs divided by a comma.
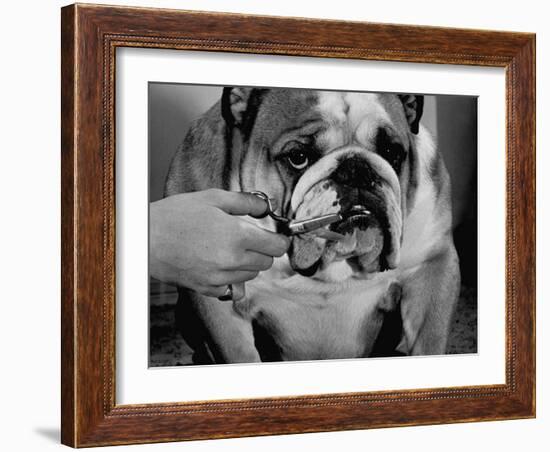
[(292, 224)]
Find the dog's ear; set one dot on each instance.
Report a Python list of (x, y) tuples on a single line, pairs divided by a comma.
[(240, 106), (413, 106), (234, 104)]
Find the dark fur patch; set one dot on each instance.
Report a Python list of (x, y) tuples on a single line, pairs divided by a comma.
[(264, 342), (389, 336), (192, 328), (354, 171), (391, 331)]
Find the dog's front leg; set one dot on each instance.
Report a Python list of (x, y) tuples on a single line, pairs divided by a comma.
[(428, 302), (230, 337)]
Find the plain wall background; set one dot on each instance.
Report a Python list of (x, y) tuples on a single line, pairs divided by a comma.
[(29, 332)]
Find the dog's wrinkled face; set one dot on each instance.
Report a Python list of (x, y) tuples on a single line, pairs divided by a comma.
[(322, 152)]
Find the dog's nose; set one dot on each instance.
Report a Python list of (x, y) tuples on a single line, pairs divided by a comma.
[(355, 172)]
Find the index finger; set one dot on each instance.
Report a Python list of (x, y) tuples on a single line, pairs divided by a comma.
[(239, 203)]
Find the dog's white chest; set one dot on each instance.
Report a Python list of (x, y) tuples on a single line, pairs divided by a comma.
[(308, 319)]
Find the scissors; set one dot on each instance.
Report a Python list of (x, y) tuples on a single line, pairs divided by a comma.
[(314, 226)]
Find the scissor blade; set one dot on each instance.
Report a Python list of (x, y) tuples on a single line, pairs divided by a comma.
[(313, 224), (328, 234)]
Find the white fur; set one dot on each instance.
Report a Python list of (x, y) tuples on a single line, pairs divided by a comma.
[(351, 110), (422, 228)]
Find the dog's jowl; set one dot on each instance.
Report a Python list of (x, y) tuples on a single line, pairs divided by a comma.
[(388, 286)]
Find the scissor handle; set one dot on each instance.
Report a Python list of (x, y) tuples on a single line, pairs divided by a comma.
[(269, 211)]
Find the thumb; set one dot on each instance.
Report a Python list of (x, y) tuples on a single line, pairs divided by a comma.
[(238, 203)]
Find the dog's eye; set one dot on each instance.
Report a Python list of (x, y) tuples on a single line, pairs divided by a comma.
[(298, 155), (298, 159), (389, 150), (394, 155)]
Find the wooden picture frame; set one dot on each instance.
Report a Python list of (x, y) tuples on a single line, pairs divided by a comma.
[(90, 36)]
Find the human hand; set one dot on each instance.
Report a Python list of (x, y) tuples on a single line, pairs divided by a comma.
[(197, 240)]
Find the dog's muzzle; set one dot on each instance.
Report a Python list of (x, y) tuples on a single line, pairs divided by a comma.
[(365, 190)]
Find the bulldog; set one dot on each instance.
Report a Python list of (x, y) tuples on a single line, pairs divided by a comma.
[(388, 287)]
